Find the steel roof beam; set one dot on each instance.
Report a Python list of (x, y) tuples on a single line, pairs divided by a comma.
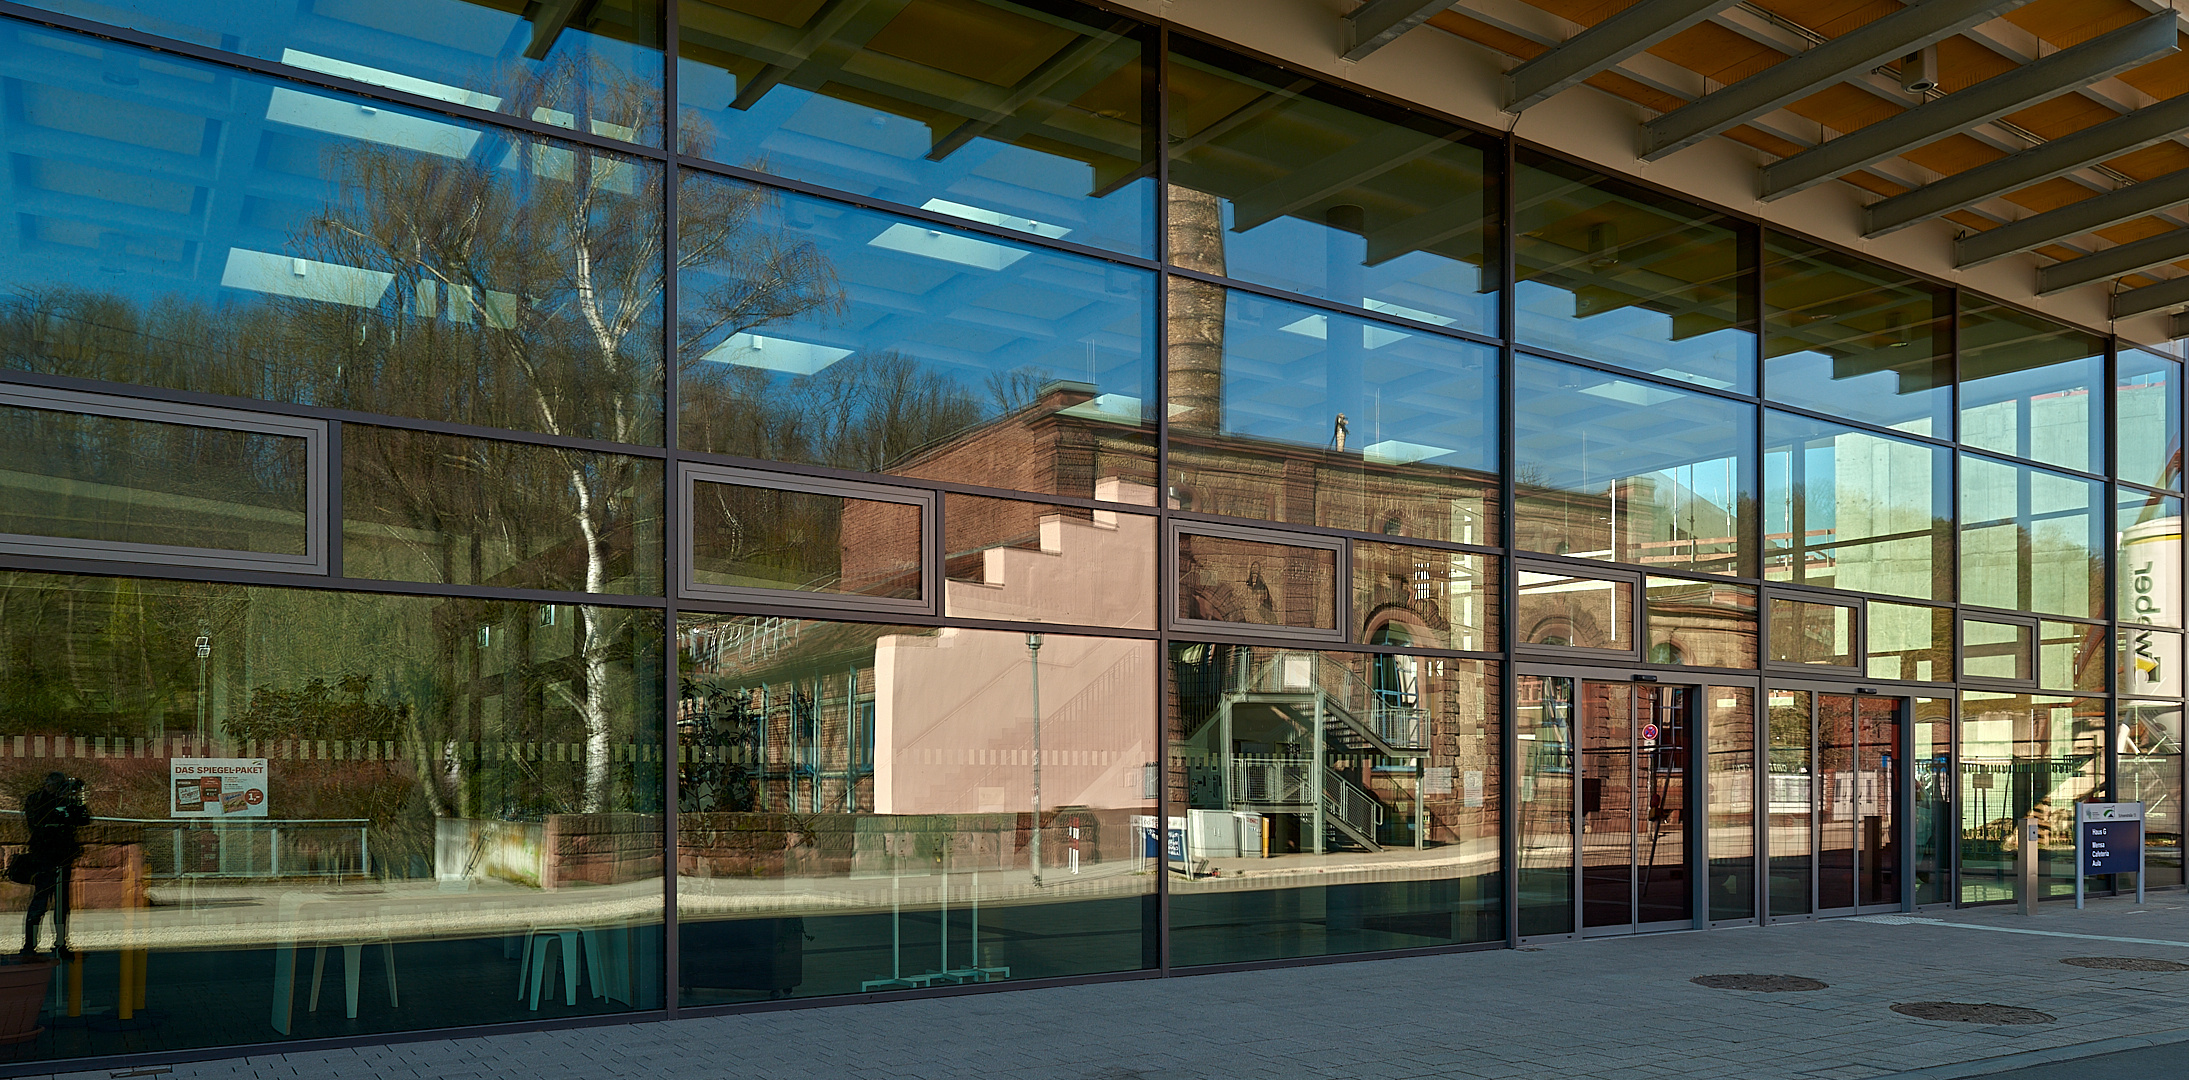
[(1796, 77), (2165, 294), (2074, 219), (2128, 258), (2101, 57), (1374, 24), (1602, 47), (2045, 161)]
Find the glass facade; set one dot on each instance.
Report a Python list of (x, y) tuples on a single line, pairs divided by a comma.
[(976, 492)]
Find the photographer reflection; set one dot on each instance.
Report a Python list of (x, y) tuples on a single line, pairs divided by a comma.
[(52, 812)]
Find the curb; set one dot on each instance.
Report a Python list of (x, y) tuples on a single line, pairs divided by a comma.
[(2051, 1056)]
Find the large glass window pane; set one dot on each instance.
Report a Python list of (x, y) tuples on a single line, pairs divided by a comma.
[(1232, 579), (2031, 388), (1837, 835), (1424, 597), (1287, 413), (1732, 803), (2149, 663), (1030, 117), (594, 67), (2071, 656), (1909, 642), (2148, 558), (201, 229), (1288, 765), (2031, 540), (1791, 776), (817, 333), (1811, 633), (868, 808), (2147, 419), (1569, 612), (1288, 182), (1006, 559), (1544, 864), (147, 477), (1699, 623), (1878, 761), (1844, 508), (2149, 745), (1856, 339), (449, 793), (1615, 273), (748, 536), (1998, 650), (2025, 756), (420, 506), (1931, 859), (1610, 468)]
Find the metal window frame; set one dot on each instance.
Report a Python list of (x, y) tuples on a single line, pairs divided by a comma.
[(1538, 652), (1858, 640), (317, 482), (689, 474), (1591, 669), (1904, 698), (1962, 618), (1503, 148), (1341, 605)]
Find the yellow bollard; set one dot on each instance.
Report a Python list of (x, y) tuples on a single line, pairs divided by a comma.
[(125, 996)]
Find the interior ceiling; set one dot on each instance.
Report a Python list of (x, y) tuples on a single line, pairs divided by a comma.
[(2015, 80)]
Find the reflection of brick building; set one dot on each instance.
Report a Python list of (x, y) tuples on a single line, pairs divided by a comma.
[(1404, 740)]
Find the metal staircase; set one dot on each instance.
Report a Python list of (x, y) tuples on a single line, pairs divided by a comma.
[(1326, 702)]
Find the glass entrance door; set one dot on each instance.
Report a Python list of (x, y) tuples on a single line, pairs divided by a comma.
[(1606, 825), (1834, 792)]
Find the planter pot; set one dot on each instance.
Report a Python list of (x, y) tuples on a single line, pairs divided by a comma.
[(22, 994)]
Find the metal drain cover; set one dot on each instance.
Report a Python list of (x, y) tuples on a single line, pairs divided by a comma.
[(1766, 984), (1972, 1014), (2125, 963)]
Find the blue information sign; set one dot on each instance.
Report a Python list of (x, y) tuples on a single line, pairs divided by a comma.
[(2108, 840), (2112, 847)]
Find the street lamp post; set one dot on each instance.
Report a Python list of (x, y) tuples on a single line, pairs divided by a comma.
[(1033, 843)]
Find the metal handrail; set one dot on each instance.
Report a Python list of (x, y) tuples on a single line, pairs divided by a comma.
[(1270, 781), (1352, 804)]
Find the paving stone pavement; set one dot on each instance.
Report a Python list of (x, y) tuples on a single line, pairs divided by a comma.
[(1620, 1008)]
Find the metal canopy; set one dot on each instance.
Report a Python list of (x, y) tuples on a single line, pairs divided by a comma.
[(1601, 47), (1374, 24), (1797, 77), (2101, 57), (2045, 161), (2074, 219), (2128, 258), (2062, 143)]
